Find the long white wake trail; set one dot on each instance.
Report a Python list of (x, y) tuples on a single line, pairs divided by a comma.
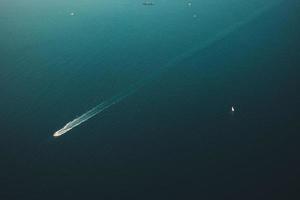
[(106, 104), (92, 112), (79, 120)]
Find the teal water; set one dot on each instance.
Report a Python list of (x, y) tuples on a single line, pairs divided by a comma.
[(173, 138)]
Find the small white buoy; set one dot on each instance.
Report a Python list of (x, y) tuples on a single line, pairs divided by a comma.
[(189, 4), (72, 14), (232, 109)]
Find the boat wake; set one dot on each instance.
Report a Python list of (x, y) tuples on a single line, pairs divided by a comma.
[(106, 104), (94, 111)]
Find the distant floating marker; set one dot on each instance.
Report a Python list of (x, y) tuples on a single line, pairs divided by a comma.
[(232, 109), (189, 4), (72, 14), (148, 3)]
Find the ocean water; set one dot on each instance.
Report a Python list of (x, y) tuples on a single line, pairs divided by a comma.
[(173, 138)]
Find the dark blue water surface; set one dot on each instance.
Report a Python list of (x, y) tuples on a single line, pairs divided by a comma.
[(176, 137)]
